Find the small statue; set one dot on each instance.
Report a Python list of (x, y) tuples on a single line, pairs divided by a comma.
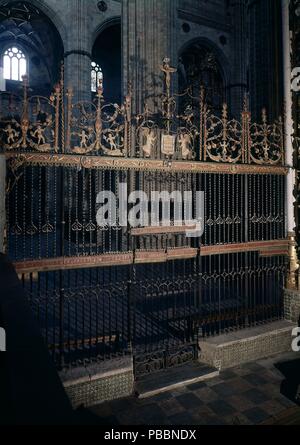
[(149, 139), (83, 139), (185, 145), (12, 134), (188, 115), (39, 134), (115, 141), (111, 139)]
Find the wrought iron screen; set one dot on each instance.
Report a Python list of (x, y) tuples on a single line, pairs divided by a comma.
[(105, 290)]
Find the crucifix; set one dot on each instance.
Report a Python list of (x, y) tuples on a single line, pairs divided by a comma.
[(168, 70), (167, 101)]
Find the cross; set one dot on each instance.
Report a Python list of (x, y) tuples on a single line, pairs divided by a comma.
[(168, 70)]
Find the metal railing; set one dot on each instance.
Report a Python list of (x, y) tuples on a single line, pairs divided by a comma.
[(95, 292)]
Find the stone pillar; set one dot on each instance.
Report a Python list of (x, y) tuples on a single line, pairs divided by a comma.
[(238, 86), (292, 305), (2, 80), (288, 127), (149, 35), (265, 68), (288, 115), (77, 50), (2, 201)]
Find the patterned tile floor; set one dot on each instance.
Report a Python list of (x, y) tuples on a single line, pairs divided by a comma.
[(247, 395)]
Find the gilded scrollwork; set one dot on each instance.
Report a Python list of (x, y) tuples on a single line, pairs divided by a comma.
[(150, 165), (36, 124), (223, 141), (81, 124), (182, 128), (96, 127), (15, 172), (266, 141)]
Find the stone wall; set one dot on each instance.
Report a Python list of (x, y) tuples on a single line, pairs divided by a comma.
[(252, 344), (265, 57), (93, 384), (292, 305), (151, 30)]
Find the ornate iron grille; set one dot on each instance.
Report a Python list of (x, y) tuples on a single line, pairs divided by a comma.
[(83, 314), (239, 208), (105, 290)]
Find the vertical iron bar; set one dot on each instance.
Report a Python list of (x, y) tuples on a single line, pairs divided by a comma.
[(61, 272)]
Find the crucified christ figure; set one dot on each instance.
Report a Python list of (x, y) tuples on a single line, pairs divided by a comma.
[(168, 70)]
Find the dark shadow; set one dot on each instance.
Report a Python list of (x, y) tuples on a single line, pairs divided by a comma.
[(107, 54), (84, 416), (198, 66), (152, 82), (290, 386), (31, 392)]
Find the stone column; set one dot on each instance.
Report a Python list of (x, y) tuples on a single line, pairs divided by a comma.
[(291, 305), (288, 114), (2, 80), (149, 35), (290, 179), (77, 50), (2, 201), (265, 69), (238, 86)]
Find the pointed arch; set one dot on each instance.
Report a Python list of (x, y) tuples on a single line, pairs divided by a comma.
[(202, 63)]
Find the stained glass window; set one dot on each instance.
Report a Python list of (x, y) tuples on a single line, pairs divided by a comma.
[(14, 64), (96, 76)]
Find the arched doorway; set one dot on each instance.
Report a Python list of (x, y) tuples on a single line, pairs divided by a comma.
[(199, 66), (27, 32), (106, 54)]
